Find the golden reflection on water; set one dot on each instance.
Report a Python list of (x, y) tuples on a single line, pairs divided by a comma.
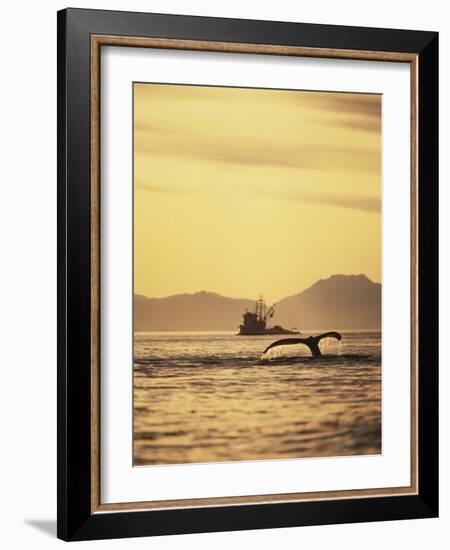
[(209, 397)]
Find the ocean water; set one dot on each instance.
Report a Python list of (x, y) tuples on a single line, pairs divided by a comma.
[(212, 397)]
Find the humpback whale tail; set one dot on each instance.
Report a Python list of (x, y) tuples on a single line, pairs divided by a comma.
[(312, 342)]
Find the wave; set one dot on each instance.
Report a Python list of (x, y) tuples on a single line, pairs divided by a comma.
[(236, 361), (329, 358)]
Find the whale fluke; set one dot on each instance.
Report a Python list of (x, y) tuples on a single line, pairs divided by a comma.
[(312, 342)]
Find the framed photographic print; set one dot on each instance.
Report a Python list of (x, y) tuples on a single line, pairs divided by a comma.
[(247, 254)]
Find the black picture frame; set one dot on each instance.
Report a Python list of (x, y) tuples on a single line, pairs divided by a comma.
[(75, 518)]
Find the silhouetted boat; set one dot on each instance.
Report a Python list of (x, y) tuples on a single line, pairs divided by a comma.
[(255, 322)]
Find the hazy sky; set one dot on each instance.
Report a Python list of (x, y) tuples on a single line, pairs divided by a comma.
[(249, 191)]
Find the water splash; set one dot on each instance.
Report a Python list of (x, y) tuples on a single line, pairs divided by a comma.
[(274, 353), (331, 346)]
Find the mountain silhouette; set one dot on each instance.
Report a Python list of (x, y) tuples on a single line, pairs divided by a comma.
[(339, 302), (199, 311)]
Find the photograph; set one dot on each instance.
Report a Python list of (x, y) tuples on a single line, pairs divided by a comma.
[(247, 272), (257, 273)]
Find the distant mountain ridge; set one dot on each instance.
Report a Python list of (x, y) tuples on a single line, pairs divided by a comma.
[(340, 301), (199, 311)]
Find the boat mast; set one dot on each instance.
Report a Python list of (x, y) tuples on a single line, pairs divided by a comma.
[(261, 310)]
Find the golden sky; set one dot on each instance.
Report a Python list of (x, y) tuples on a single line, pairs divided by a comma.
[(248, 191)]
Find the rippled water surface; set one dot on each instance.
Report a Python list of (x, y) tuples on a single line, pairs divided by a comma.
[(212, 397)]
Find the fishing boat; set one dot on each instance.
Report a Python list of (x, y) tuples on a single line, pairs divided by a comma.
[(255, 322)]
